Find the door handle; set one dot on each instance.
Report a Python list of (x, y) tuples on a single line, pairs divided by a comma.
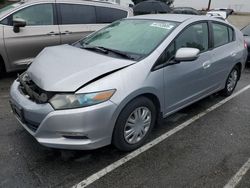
[(66, 33), (233, 54), (206, 64), (52, 33)]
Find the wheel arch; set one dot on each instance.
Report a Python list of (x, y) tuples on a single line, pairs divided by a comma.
[(149, 94)]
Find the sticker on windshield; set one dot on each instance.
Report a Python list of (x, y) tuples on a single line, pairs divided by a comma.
[(166, 26)]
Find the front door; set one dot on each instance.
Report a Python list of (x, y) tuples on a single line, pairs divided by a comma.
[(186, 82), (39, 33)]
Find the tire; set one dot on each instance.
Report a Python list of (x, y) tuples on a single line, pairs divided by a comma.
[(232, 79), (145, 111)]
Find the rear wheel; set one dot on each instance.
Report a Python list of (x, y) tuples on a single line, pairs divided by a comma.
[(231, 82), (134, 124)]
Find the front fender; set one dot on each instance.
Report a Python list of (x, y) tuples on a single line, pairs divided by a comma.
[(135, 94)]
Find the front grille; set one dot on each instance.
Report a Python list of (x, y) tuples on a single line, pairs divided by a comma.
[(32, 91)]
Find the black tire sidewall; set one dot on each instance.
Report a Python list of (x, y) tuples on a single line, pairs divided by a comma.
[(118, 139)]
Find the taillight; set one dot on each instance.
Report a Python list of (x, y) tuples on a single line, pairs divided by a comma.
[(245, 44)]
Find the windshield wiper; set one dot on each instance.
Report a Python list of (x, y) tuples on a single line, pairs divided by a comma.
[(107, 50), (95, 48), (120, 53)]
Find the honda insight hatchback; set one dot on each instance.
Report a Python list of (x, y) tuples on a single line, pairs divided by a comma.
[(113, 85)]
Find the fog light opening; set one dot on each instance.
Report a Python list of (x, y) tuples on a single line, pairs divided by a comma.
[(79, 136), (76, 137)]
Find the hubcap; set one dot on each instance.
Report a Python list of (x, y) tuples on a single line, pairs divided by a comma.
[(137, 125), (232, 80)]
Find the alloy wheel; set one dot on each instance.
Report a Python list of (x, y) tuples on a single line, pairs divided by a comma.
[(232, 80)]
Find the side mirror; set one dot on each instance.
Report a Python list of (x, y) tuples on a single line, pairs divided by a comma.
[(187, 54), (17, 23)]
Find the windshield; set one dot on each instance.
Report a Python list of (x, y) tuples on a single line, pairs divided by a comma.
[(138, 37), (246, 30), (9, 7)]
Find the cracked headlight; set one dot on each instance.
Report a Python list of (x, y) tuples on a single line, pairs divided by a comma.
[(70, 101)]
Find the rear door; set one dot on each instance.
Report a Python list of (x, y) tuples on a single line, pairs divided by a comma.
[(225, 53), (79, 20), (75, 21), (41, 31)]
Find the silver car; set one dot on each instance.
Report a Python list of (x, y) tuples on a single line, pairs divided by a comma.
[(114, 85), (28, 26)]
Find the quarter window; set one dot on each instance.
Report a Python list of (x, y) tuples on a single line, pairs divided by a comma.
[(167, 55), (231, 34), (77, 14), (36, 15), (109, 15), (5, 21)]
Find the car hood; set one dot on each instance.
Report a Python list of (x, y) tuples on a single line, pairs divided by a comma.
[(66, 68)]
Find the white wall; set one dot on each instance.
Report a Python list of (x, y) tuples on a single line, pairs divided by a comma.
[(237, 5)]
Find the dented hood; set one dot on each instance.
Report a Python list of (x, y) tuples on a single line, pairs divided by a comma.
[(66, 68)]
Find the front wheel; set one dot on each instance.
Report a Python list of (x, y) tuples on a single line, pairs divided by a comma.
[(231, 82), (134, 124)]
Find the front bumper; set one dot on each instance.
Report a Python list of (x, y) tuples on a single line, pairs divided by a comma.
[(84, 128)]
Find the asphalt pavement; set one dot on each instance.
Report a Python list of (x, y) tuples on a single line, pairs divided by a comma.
[(207, 153)]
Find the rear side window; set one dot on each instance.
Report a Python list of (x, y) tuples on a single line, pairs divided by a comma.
[(109, 15), (222, 34), (77, 14)]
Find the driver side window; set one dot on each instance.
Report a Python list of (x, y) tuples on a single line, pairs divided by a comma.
[(41, 14), (195, 36)]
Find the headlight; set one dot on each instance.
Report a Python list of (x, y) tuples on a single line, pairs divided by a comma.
[(69, 101)]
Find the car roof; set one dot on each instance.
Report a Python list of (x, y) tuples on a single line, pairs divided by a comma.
[(97, 1), (171, 17)]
